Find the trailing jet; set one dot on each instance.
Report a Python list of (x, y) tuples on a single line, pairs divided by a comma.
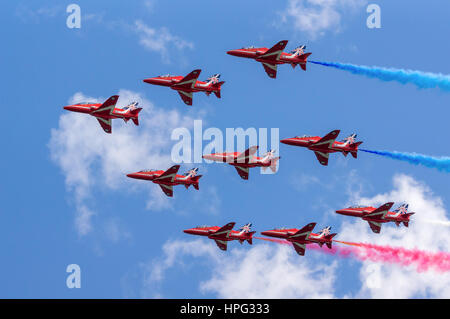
[(245, 160), (189, 84), (301, 238), (323, 146), (167, 179), (107, 111), (377, 216), (222, 235), (270, 58)]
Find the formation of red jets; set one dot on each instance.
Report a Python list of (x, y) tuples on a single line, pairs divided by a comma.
[(322, 147)]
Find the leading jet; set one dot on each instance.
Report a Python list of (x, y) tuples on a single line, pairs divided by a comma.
[(302, 237), (105, 112), (271, 58), (187, 85), (378, 216), (323, 146), (222, 235), (167, 179)]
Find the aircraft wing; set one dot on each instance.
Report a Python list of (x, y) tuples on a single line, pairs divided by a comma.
[(303, 233), (381, 211), (169, 175), (186, 97), (242, 171), (188, 81), (376, 227), (328, 140), (299, 248), (274, 52), (247, 155), (167, 189), (224, 231), (270, 68), (105, 124), (107, 107), (322, 157), (222, 244)]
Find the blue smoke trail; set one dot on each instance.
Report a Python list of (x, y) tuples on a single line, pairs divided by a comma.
[(441, 163), (423, 80)]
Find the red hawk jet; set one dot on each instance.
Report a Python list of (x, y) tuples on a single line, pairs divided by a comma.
[(245, 160), (187, 85), (222, 235), (168, 179), (107, 111), (300, 238), (377, 216), (270, 58), (323, 146)]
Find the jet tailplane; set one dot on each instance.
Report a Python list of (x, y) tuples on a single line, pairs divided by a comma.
[(273, 164), (217, 87), (135, 112), (195, 181)]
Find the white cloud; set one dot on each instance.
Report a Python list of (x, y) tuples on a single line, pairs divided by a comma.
[(90, 158), (394, 281), (35, 15), (272, 271), (316, 17), (263, 271), (160, 40)]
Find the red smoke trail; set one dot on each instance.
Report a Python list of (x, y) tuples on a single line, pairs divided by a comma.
[(421, 260)]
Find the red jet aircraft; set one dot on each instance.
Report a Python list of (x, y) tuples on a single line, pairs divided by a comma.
[(323, 146), (270, 58), (245, 160), (300, 238), (168, 179), (222, 235), (187, 85), (107, 111), (377, 216)]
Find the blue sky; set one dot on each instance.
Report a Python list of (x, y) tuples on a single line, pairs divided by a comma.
[(57, 166)]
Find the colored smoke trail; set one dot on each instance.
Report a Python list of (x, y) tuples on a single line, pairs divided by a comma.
[(423, 80), (440, 163), (421, 260)]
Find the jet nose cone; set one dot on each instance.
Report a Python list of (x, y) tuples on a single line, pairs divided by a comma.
[(69, 108), (131, 175), (188, 231), (340, 211), (266, 233), (232, 52), (284, 141)]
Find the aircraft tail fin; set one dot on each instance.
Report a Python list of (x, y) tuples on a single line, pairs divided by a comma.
[(304, 57), (273, 164), (330, 238), (195, 180), (250, 239), (217, 87), (354, 148), (135, 112), (407, 215)]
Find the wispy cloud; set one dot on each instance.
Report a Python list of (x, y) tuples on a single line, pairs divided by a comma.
[(263, 271), (390, 280), (316, 17), (160, 40), (34, 15), (89, 158)]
